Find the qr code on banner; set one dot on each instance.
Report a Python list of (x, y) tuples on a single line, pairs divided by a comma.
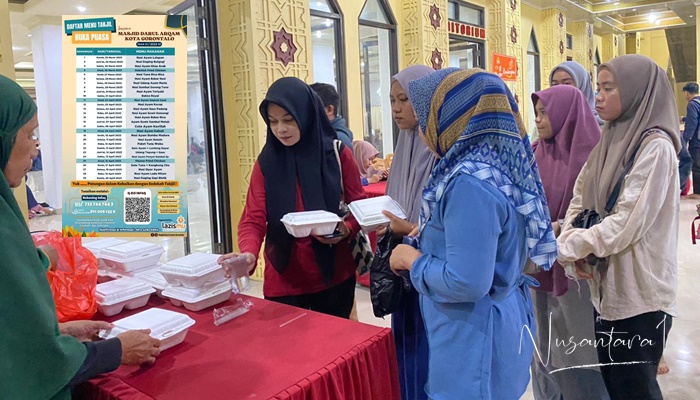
[(137, 206)]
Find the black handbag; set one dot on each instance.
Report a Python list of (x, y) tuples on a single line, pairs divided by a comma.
[(387, 289)]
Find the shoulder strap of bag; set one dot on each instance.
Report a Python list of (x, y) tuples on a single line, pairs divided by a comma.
[(336, 147), (612, 200)]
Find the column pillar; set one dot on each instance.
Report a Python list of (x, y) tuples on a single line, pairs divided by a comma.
[(423, 29), (553, 42), (505, 37), (611, 47), (7, 58), (46, 52), (582, 32), (259, 42), (633, 43), (7, 68)]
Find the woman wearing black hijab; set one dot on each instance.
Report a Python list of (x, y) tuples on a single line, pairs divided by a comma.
[(297, 170)]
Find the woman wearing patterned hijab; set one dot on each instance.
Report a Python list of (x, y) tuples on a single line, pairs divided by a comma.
[(483, 213), (573, 74)]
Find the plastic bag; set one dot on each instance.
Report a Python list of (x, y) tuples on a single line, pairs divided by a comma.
[(227, 313), (74, 279), (386, 288)]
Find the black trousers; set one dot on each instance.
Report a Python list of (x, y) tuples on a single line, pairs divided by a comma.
[(639, 341), (337, 300), (685, 165), (695, 153)]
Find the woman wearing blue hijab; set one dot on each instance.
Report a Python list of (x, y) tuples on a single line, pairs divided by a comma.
[(483, 214)]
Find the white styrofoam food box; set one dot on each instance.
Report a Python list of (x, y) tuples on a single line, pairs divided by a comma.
[(153, 278), (104, 275), (96, 246), (303, 224), (193, 271), (169, 327), (131, 256), (116, 274), (112, 297), (368, 212), (199, 299)]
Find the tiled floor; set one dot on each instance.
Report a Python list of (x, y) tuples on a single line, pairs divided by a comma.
[(683, 348)]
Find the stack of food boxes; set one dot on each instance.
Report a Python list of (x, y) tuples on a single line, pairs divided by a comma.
[(195, 281), (126, 260)]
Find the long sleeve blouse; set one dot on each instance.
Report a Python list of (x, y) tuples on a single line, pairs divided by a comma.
[(640, 238), (302, 275), (473, 294)]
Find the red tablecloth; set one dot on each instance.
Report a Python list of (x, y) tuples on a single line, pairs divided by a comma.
[(375, 189), (272, 352)]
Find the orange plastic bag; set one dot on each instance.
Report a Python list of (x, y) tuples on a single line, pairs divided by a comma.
[(74, 279)]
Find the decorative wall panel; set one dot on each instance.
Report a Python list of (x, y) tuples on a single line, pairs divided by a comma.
[(505, 37), (582, 33), (553, 42), (424, 31), (610, 48)]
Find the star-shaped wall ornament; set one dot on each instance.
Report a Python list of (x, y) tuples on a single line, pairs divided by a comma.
[(435, 18), (436, 59), (590, 54), (514, 35), (513, 5), (590, 31), (283, 46), (615, 40), (561, 47), (561, 20)]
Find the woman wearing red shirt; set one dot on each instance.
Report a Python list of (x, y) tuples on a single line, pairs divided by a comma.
[(297, 170)]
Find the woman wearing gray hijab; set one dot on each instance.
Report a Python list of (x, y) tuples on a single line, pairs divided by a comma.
[(410, 169), (574, 74), (634, 292)]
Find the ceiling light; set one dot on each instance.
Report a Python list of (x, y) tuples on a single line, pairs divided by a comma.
[(616, 4), (81, 9), (657, 22), (634, 9), (652, 17), (319, 34), (30, 35), (690, 16)]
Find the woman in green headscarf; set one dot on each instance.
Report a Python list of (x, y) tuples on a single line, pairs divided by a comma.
[(40, 358)]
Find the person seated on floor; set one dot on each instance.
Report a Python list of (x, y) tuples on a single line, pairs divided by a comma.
[(365, 154), (42, 359)]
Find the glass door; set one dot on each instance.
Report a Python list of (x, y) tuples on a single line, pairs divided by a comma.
[(209, 228), (466, 55)]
